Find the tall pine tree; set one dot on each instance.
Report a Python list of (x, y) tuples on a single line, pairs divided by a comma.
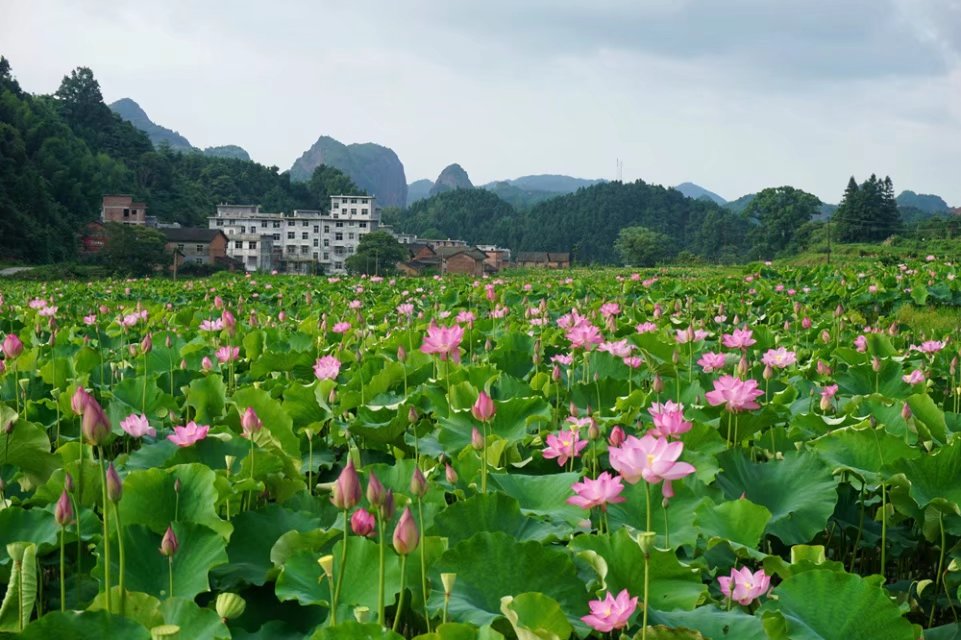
[(868, 212)]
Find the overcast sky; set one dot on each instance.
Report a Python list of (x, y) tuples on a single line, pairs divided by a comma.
[(735, 95)]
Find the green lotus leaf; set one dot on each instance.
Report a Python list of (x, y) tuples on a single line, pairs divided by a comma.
[(140, 607), (490, 566), (799, 491), (863, 451), (672, 584), (928, 414), (86, 625), (461, 631), (829, 605), (195, 622), (206, 397), (201, 549), (678, 525), (535, 616), (149, 498), (21, 593), (713, 623), (27, 447), (739, 522), (28, 525), (490, 512), (352, 630), (542, 495), (255, 533), (934, 478), (278, 425)]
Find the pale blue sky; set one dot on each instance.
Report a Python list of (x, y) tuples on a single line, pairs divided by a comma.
[(735, 95)]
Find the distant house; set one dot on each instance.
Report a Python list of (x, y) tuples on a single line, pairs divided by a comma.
[(464, 260), (94, 238), (121, 208), (198, 246), (543, 259), (497, 257)]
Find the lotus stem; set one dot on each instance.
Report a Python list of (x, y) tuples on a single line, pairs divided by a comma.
[(340, 574), (106, 531), (403, 589), (63, 586), (170, 574), (647, 585), (380, 575), (423, 561), (123, 564), (934, 604), (484, 462), (884, 529)]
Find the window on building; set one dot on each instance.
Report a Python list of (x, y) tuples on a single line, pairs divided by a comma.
[(338, 236), (350, 236), (126, 213), (277, 237), (353, 201), (336, 216), (275, 224), (336, 204), (239, 244), (220, 223), (305, 224), (290, 235), (363, 225), (326, 228), (200, 248), (263, 225), (252, 244), (339, 225), (326, 242), (353, 211), (243, 229), (350, 251), (315, 255), (180, 247), (290, 248), (305, 250), (363, 210), (316, 242), (304, 235), (326, 255), (338, 265), (316, 228)]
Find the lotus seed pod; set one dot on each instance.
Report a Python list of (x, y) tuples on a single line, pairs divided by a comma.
[(327, 565), (362, 614), (230, 606), (448, 580), (165, 632)]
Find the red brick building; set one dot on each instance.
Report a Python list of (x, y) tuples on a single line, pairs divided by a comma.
[(122, 208)]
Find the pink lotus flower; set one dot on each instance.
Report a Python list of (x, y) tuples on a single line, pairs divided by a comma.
[(11, 346), (606, 489), (406, 534), (634, 362), (651, 459), (668, 419), (584, 336), (735, 394), (711, 361), (189, 435), (341, 327), (466, 317), (137, 426), (212, 325), (565, 359), (915, 377), (747, 586), (861, 344), (739, 339), (405, 309), (617, 436), (779, 358), (929, 346), (564, 446), (90, 320), (483, 409), (827, 396), (250, 423), (611, 613), (646, 327), (620, 349), (327, 368), (610, 309), (443, 341), (227, 354)]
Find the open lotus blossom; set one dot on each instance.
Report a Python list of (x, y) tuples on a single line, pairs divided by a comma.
[(137, 426), (327, 368), (609, 309), (684, 336), (745, 587), (227, 354), (711, 361), (563, 358), (605, 490), (634, 362), (405, 309), (466, 317), (915, 377), (443, 341), (564, 445), (668, 419), (188, 435), (861, 344), (779, 358), (929, 346), (571, 320), (651, 459), (646, 327), (738, 339), (611, 613), (734, 394), (620, 349), (212, 325), (584, 336), (827, 396)]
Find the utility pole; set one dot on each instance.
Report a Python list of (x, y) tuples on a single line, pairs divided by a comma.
[(829, 241)]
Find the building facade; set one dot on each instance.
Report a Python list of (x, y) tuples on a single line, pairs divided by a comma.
[(121, 208), (301, 242), (197, 246)]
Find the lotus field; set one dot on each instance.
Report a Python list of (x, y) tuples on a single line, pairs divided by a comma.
[(768, 453)]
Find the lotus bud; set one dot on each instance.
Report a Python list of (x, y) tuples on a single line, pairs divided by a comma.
[(448, 580), (114, 484), (79, 400), (347, 490), (327, 565), (375, 491), (805, 323), (825, 337), (387, 511), (282, 316), (218, 302), (230, 606), (94, 426), (406, 535), (68, 482), (737, 320), (167, 342), (658, 385), (742, 367), (676, 356), (183, 363), (362, 614), (476, 439), (658, 311), (332, 396), (412, 415), (63, 512), (556, 373), (362, 523), (572, 409), (146, 345), (875, 364), (483, 409), (823, 368), (797, 307), (250, 423), (593, 433), (906, 411), (825, 404), (617, 436), (12, 347), (401, 354), (787, 325), (3, 367), (953, 367), (418, 483), (169, 544), (838, 311), (768, 372), (206, 364), (450, 474), (229, 322)]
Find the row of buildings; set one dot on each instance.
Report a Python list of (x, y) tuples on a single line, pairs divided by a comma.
[(308, 241)]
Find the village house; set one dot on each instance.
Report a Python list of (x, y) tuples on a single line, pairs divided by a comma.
[(122, 208), (543, 259), (197, 246)]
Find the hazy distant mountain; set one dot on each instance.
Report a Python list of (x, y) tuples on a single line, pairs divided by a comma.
[(925, 202), (418, 190), (519, 198), (227, 151), (135, 115), (374, 168), (550, 182), (452, 177), (159, 136), (739, 205), (696, 192)]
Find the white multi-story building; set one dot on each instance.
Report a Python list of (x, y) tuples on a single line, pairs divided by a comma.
[(299, 242)]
